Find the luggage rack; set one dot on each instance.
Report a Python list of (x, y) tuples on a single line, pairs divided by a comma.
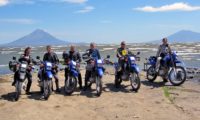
[(146, 65)]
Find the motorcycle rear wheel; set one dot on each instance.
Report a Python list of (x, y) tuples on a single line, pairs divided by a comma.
[(151, 74)]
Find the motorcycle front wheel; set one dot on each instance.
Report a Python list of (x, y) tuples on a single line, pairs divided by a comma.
[(47, 86), (177, 76), (18, 90), (135, 81), (70, 85), (98, 85)]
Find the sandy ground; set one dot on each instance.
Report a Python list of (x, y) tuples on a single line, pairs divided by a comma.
[(154, 101)]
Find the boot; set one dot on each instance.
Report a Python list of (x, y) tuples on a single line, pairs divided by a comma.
[(80, 81), (57, 86)]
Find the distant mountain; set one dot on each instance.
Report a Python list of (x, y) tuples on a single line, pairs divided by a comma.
[(37, 38), (183, 36)]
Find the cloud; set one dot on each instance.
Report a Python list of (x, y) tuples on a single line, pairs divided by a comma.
[(3, 2), (75, 1), (18, 21), (180, 6), (67, 1), (6, 2), (86, 9), (22, 1)]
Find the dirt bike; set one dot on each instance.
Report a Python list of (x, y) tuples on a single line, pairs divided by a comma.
[(45, 75), (128, 72), (171, 68), (20, 68), (72, 72), (95, 66)]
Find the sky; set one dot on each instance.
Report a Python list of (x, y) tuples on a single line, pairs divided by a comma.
[(100, 21)]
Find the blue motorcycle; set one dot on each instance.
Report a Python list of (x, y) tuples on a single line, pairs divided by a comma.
[(128, 70), (170, 68), (72, 75), (45, 75), (97, 71)]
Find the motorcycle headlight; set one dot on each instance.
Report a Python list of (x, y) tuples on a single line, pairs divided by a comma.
[(23, 66), (99, 63)]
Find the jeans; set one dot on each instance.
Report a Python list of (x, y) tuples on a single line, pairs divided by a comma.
[(29, 77)]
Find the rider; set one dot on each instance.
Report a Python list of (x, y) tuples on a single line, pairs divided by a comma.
[(50, 56), (121, 52), (75, 56), (26, 57), (94, 53), (163, 50)]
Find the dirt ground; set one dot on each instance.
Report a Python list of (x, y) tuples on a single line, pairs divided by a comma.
[(154, 101)]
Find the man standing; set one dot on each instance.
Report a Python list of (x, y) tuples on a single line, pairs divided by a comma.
[(50, 56), (26, 57), (75, 56), (94, 53)]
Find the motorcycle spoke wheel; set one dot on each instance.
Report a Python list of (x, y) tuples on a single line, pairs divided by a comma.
[(177, 76)]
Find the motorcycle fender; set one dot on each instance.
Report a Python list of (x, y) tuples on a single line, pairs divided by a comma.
[(74, 73), (177, 61), (49, 74), (100, 72), (135, 68), (22, 76)]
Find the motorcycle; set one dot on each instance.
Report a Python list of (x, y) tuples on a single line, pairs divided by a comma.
[(45, 75), (95, 66), (171, 68), (71, 82), (20, 68), (129, 72)]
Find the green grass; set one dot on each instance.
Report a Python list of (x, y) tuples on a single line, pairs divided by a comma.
[(167, 93)]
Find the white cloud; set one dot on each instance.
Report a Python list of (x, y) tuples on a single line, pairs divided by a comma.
[(180, 6), (6, 2), (67, 1), (18, 21), (22, 1), (75, 1), (3, 2), (86, 9)]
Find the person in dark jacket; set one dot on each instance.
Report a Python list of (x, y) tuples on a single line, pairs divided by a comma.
[(122, 52), (50, 56), (94, 53), (27, 58), (75, 56)]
